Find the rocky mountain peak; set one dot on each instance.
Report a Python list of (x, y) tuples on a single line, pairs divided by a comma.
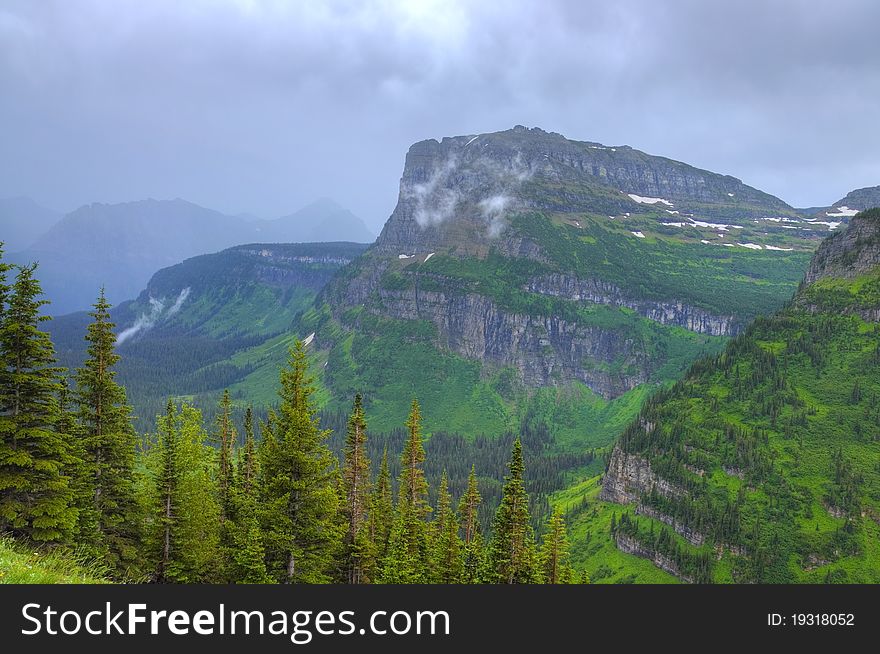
[(458, 192)]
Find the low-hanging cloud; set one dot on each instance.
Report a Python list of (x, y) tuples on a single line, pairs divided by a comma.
[(146, 321), (488, 183)]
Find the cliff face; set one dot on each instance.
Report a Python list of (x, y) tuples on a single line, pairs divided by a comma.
[(545, 350), (596, 291), (850, 253), (477, 178)]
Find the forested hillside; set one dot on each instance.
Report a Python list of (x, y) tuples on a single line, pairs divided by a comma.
[(761, 465)]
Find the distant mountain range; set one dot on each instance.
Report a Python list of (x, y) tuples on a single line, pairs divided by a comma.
[(119, 246), (23, 221)]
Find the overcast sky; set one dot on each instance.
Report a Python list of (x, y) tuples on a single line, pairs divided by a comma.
[(262, 107)]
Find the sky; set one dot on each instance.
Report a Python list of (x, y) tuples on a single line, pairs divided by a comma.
[(261, 107)]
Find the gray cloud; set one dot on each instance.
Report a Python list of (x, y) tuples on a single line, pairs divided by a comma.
[(263, 106)]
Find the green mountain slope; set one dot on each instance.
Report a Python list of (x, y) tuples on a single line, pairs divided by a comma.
[(215, 321), (762, 463)]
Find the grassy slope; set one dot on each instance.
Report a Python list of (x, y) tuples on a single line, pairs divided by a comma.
[(28, 565), (786, 398)]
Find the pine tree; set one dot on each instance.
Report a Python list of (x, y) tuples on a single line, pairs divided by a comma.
[(108, 511), (226, 440), (381, 514), (246, 554), (299, 494), (167, 481), (511, 556), (555, 566), (473, 561), (247, 462), (470, 503), (358, 555), (407, 555), (188, 518), (446, 546), (35, 491)]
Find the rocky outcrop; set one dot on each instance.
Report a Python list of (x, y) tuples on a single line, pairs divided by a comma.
[(666, 313), (629, 477), (628, 544), (546, 350), (850, 253)]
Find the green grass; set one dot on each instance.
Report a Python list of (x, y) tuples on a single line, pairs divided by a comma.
[(592, 548), (22, 564)]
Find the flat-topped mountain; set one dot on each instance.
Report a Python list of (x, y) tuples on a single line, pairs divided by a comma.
[(535, 262)]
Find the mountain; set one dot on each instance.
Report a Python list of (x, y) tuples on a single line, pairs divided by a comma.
[(322, 221), (215, 321), (761, 464), (841, 211), (525, 276), (119, 246), (22, 221)]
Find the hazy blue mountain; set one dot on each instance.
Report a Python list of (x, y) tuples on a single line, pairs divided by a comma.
[(119, 246), (23, 221), (321, 221)]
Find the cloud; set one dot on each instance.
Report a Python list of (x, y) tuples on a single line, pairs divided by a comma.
[(150, 319), (494, 209), (263, 106)]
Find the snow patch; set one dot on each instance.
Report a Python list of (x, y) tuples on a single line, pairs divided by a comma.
[(638, 234), (308, 339), (428, 257), (674, 224), (647, 200), (773, 247), (751, 246), (405, 256), (471, 141), (842, 212), (730, 194)]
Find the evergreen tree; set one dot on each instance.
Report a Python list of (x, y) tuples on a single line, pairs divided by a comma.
[(167, 481), (226, 441), (358, 555), (470, 503), (381, 514), (246, 554), (446, 547), (247, 462), (473, 561), (108, 508), (407, 556), (555, 566), (188, 510), (511, 555), (35, 491), (299, 495)]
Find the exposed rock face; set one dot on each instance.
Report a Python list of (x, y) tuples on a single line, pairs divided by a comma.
[(630, 545), (850, 253), (475, 178), (546, 350), (629, 477), (666, 313)]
